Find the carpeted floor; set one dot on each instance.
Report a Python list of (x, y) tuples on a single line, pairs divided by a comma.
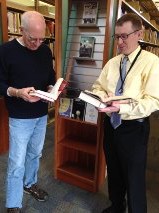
[(65, 198)]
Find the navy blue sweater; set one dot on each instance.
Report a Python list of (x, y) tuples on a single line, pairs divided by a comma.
[(20, 68)]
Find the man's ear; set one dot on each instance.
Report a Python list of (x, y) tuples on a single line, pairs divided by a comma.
[(141, 34), (21, 29)]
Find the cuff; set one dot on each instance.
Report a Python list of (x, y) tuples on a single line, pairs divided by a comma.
[(124, 108)]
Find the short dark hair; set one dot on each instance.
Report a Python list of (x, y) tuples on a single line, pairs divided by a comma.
[(133, 18)]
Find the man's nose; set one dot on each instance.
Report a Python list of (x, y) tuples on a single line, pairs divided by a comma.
[(120, 41)]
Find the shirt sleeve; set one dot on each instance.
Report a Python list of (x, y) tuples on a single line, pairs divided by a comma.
[(149, 101)]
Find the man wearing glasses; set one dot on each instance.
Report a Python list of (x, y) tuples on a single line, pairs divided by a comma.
[(133, 73), (25, 65)]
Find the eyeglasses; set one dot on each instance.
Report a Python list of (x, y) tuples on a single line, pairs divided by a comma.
[(123, 36), (34, 40)]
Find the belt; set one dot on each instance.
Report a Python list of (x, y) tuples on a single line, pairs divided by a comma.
[(139, 120)]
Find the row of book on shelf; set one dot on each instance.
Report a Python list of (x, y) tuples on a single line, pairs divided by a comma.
[(14, 22), (78, 109), (150, 36), (154, 50), (136, 5)]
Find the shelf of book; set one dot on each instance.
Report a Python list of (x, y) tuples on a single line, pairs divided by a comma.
[(126, 6), (15, 10), (79, 157), (150, 40)]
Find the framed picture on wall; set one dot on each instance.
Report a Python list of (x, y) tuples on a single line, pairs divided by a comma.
[(86, 46), (90, 11)]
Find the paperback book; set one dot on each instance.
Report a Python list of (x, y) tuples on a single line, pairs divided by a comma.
[(86, 46), (90, 11), (91, 114), (55, 92), (95, 100), (65, 108)]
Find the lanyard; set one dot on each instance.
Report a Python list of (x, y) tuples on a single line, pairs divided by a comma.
[(123, 80)]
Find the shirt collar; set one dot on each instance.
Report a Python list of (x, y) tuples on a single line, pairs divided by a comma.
[(132, 55)]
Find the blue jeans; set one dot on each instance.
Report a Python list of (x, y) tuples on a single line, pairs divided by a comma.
[(26, 140)]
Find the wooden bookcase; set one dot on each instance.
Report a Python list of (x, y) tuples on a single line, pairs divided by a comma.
[(4, 135), (79, 158), (151, 21)]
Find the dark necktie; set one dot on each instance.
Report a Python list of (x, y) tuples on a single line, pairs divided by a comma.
[(115, 117)]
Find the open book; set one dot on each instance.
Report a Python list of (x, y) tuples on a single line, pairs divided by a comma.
[(55, 92), (95, 100)]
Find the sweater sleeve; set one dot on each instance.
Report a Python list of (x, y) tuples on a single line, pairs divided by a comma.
[(52, 76)]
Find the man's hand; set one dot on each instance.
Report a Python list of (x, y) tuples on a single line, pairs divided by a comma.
[(109, 109), (114, 106), (24, 94)]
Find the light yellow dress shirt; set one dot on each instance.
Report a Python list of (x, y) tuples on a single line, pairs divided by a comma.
[(141, 84)]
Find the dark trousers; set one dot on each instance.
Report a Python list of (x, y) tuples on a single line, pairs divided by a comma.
[(126, 152)]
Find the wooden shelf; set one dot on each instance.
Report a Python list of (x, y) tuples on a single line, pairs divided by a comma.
[(77, 171), (51, 121), (78, 176), (78, 121), (18, 7), (4, 129), (88, 26), (78, 150), (145, 43), (14, 34), (79, 145), (83, 58)]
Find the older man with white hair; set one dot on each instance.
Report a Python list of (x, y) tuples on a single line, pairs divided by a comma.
[(25, 65)]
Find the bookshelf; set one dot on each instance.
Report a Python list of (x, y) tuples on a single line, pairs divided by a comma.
[(151, 22), (3, 112), (148, 12), (79, 158)]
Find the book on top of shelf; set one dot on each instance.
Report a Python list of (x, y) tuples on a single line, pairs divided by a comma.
[(91, 114), (78, 109), (90, 11), (57, 89), (86, 46), (95, 100), (65, 108)]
